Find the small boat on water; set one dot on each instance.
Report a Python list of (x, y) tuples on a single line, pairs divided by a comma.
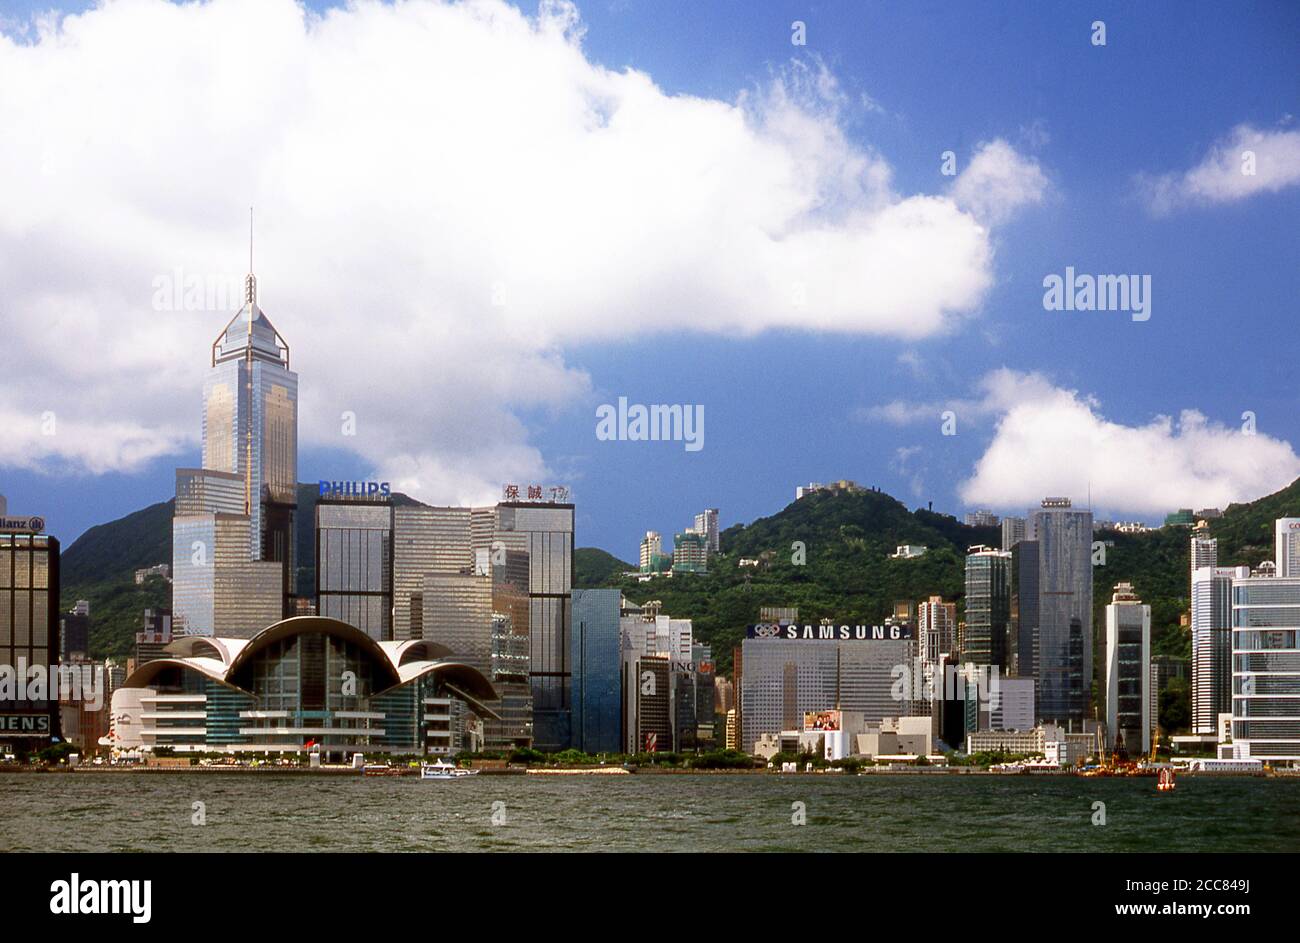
[(444, 770), (1165, 779), (382, 769)]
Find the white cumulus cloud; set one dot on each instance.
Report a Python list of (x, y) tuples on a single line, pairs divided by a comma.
[(998, 181), (1248, 161), (1048, 440), (447, 196)]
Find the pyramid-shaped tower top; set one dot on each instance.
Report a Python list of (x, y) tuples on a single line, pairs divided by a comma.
[(250, 334)]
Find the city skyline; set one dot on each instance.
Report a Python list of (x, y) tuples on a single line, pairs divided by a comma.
[(1039, 190)]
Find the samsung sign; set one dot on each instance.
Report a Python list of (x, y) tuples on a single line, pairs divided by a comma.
[(355, 489), (828, 633)]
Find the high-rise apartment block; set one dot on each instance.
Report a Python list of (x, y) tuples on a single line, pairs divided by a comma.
[(653, 558), (706, 523), (690, 552), (1013, 531)]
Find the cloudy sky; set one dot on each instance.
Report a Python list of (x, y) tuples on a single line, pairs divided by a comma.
[(478, 222)]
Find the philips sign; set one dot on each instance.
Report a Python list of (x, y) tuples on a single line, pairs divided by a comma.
[(355, 489)]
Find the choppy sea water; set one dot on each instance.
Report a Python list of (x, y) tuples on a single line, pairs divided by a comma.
[(302, 813)]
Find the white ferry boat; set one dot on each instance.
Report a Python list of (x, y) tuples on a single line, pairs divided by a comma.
[(444, 770)]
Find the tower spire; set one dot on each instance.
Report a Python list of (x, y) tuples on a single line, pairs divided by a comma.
[(250, 281)]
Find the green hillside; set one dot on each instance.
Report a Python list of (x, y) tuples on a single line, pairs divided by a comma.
[(142, 538), (594, 567)]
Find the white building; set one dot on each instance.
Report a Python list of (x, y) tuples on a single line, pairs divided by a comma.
[(655, 634), (1266, 667), (1012, 707), (706, 523), (1286, 546), (792, 670), (907, 552), (1211, 628), (652, 546)]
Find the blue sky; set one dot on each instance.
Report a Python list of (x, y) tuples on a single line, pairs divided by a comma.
[(788, 405)]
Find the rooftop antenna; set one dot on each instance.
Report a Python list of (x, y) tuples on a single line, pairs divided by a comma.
[(250, 283)]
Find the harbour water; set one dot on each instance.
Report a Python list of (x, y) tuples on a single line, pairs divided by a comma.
[(305, 813)]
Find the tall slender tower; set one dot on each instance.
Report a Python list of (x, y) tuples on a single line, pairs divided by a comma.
[(1065, 639), (250, 428)]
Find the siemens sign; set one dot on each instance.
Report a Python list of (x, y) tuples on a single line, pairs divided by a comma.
[(355, 489), (828, 633), (25, 725)]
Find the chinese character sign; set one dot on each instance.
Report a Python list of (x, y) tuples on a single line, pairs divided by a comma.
[(536, 493)]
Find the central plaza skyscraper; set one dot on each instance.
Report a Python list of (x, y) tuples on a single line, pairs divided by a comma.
[(250, 427), (232, 534)]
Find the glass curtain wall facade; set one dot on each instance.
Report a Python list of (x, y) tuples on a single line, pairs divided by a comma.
[(426, 540), (458, 614), (1128, 672), (354, 564), (595, 667), (250, 428), (216, 588), (1065, 632), (988, 607), (29, 635), (545, 533)]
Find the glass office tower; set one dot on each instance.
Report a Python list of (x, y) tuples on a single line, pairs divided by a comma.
[(426, 540), (250, 428), (545, 532), (1128, 672), (29, 636), (988, 607), (1065, 637), (216, 588), (458, 614), (1024, 607), (595, 667), (354, 564)]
